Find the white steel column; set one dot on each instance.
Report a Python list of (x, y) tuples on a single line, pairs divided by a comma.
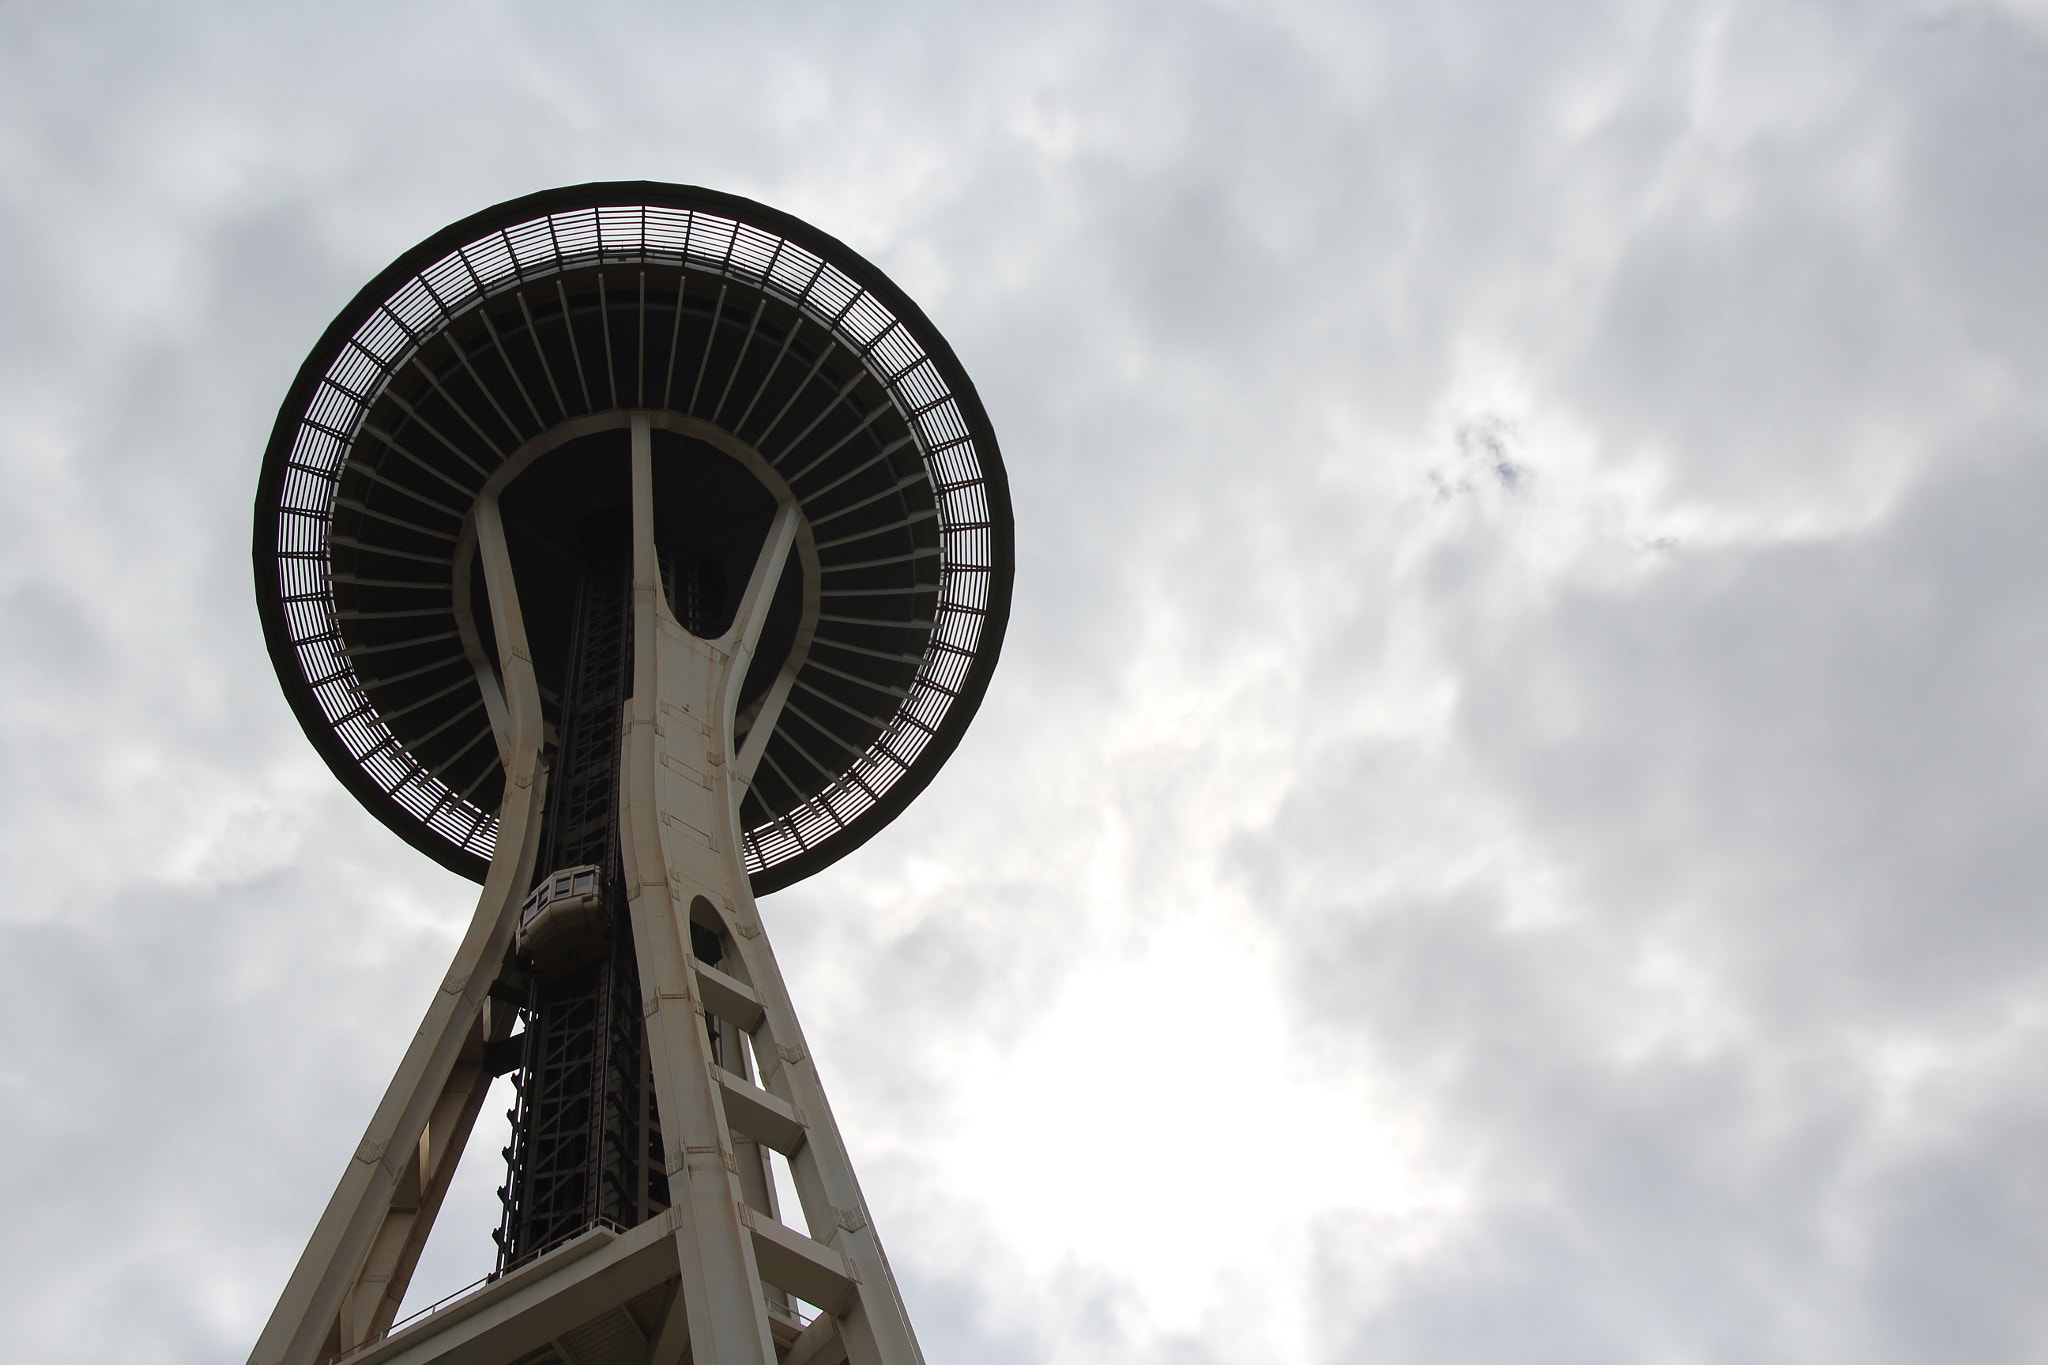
[(679, 800), (665, 745), (353, 1274)]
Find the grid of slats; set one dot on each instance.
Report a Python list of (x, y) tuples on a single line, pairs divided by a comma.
[(389, 343)]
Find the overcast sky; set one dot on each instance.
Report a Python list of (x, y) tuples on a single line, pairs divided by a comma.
[(1510, 825)]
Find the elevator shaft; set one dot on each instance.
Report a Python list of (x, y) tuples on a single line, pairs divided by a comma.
[(586, 1132)]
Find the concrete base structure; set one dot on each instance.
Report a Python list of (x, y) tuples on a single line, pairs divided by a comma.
[(713, 1278)]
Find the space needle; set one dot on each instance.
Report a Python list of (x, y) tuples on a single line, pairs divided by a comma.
[(634, 550)]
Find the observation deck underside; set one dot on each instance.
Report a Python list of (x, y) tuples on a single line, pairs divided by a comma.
[(508, 354)]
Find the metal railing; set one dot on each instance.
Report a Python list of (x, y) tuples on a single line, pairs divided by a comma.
[(438, 1304)]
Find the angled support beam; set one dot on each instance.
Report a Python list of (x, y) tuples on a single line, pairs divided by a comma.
[(353, 1274), (749, 757), (371, 1305), (744, 636)]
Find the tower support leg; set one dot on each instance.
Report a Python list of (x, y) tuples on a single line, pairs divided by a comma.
[(352, 1276), (679, 824)]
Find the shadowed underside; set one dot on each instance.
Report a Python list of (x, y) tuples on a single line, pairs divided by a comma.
[(509, 351)]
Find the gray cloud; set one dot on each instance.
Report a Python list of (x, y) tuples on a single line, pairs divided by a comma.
[(1503, 829)]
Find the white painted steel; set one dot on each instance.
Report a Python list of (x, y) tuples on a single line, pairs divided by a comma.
[(679, 806), (733, 1258), (352, 1276)]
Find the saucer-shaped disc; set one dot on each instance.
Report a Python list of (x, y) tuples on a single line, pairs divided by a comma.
[(772, 361)]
